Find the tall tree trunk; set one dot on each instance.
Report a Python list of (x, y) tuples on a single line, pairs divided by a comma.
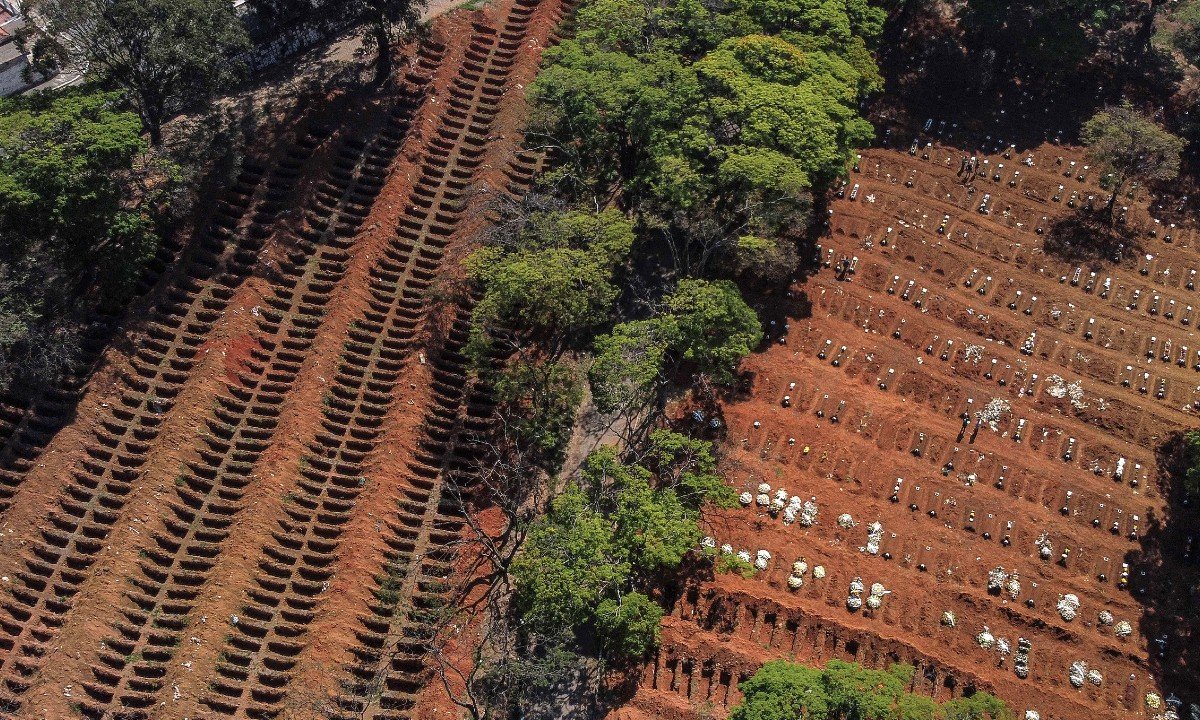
[(154, 127), (383, 46), (152, 110), (1145, 30)]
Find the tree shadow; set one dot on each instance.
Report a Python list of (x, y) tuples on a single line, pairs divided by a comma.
[(1164, 577), (212, 148), (1022, 87), (1087, 238)]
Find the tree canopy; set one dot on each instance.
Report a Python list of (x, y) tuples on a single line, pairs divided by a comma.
[(709, 124), (78, 216), (716, 328), (164, 54), (1130, 146), (1183, 33), (384, 21), (696, 134), (609, 536), (555, 284), (1042, 33), (705, 323), (783, 690)]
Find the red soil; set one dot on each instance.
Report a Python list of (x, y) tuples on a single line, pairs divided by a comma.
[(898, 399), (208, 535)]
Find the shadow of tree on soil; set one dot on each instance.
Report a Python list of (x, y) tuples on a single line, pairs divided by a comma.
[(1164, 577), (1088, 238)]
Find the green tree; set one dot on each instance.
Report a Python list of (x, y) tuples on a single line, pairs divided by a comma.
[(78, 222), (67, 179), (856, 692), (628, 364), (570, 562), (687, 465), (629, 627), (769, 259), (557, 292), (918, 707), (711, 123), (1055, 35), (1130, 146), (701, 322), (652, 526), (384, 22), (618, 120), (783, 690), (615, 24), (610, 535), (533, 681), (166, 55), (539, 399), (980, 706), (716, 326), (552, 289), (1183, 30)]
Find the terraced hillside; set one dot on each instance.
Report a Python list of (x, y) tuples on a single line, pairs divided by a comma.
[(264, 446), (991, 406)]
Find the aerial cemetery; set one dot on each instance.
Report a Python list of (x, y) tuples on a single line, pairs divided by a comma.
[(600, 360), (950, 455)]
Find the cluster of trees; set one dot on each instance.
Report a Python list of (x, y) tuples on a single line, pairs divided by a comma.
[(689, 140), (590, 563), (711, 125), (1180, 30), (703, 325), (162, 55), (168, 56), (548, 285), (80, 209), (550, 290), (696, 134), (783, 690), (546, 329), (1057, 34)]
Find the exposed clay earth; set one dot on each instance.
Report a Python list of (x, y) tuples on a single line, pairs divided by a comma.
[(991, 407), (241, 516)]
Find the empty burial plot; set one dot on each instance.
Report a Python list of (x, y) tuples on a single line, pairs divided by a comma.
[(970, 422), (267, 649), (209, 492), (64, 547)]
